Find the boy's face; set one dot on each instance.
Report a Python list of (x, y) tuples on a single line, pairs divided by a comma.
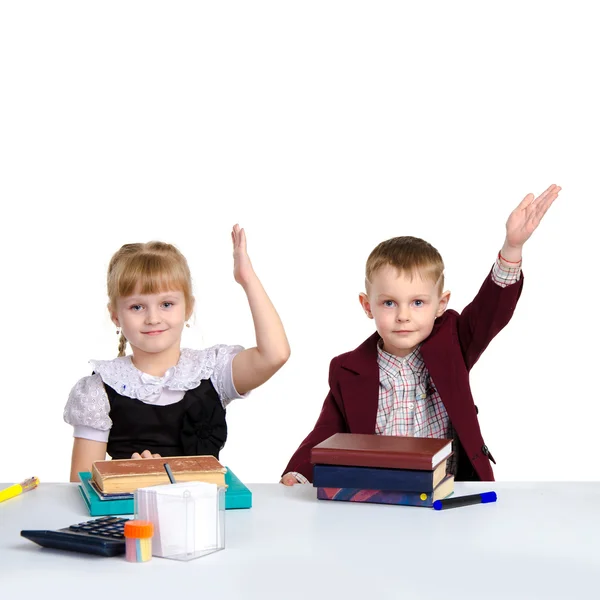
[(404, 308)]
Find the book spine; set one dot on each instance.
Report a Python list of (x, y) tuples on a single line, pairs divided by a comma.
[(365, 458), (375, 496), (398, 480)]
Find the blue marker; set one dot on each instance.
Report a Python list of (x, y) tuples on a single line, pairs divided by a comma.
[(457, 501)]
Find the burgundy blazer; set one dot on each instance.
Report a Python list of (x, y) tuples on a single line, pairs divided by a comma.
[(453, 347)]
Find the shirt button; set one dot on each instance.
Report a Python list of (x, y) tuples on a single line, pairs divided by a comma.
[(411, 406)]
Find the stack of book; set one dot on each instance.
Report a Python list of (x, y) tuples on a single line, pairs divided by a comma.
[(109, 488), (382, 469), (124, 476)]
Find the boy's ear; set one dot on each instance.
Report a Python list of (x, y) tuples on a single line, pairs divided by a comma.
[(113, 315), (364, 302), (444, 299)]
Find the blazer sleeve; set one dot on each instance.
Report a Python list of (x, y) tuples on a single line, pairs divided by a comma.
[(331, 420), (485, 316)]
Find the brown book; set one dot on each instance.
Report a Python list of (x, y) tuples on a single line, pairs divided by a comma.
[(384, 451), (127, 475)]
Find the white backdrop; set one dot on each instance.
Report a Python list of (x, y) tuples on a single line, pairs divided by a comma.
[(322, 128)]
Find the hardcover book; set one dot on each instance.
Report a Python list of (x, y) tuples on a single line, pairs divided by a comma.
[(373, 478), (127, 475), (443, 490), (384, 451)]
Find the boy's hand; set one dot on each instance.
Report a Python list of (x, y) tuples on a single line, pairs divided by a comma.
[(289, 479), (523, 221), (242, 267)]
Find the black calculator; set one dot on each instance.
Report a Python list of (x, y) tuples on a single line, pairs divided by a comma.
[(103, 537)]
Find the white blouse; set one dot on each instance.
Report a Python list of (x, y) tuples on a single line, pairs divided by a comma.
[(88, 408)]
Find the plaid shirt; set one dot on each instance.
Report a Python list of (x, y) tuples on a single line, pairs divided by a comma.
[(409, 403)]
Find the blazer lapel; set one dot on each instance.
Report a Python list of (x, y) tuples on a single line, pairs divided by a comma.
[(439, 356), (359, 386)]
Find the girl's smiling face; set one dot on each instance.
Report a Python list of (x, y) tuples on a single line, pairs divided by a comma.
[(152, 323)]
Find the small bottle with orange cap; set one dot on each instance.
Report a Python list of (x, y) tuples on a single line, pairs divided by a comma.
[(138, 540)]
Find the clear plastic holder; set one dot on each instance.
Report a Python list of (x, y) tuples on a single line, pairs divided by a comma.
[(188, 518)]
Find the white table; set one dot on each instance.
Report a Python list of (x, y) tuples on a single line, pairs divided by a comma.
[(538, 541)]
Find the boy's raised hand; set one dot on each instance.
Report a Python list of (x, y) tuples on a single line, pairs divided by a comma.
[(523, 221)]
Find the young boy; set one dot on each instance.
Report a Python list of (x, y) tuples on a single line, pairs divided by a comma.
[(411, 377)]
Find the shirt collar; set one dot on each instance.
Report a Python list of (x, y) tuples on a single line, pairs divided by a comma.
[(122, 375), (392, 364)]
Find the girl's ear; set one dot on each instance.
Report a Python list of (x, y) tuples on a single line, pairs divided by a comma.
[(445, 298), (190, 309), (366, 304), (113, 315)]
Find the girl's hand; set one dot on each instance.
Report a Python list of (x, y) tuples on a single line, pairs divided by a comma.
[(523, 221), (253, 366), (145, 454), (242, 267)]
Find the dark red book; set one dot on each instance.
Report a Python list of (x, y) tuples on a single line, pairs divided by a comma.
[(384, 451)]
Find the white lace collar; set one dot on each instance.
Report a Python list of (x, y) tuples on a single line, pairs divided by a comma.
[(126, 379)]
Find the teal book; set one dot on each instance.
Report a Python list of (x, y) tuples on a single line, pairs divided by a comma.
[(101, 507), (237, 496)]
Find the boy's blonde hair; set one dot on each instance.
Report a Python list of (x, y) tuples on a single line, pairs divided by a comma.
[(149, 268), (409, 255)]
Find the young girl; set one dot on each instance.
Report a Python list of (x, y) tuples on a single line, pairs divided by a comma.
[(163, 400)]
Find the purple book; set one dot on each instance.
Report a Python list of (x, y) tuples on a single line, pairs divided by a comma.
[(443, 490)]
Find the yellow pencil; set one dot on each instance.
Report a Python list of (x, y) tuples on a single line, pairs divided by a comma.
[(19, 488)]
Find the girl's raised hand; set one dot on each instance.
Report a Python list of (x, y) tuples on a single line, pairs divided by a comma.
[(242, 267)]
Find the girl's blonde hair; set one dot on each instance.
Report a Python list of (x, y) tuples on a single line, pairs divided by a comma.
[(149, 268)]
